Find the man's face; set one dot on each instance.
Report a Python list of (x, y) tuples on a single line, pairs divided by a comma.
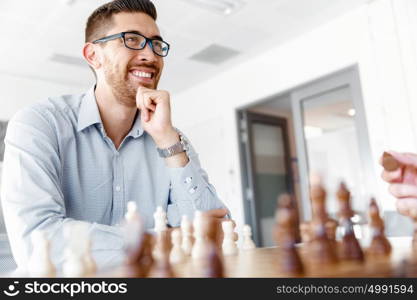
[(123, 69)]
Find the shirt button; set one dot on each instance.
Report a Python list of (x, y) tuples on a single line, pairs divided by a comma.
[(192, 190), (118, 188), (188, 179)]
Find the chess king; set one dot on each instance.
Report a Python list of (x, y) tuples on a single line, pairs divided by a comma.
[(81, 158)]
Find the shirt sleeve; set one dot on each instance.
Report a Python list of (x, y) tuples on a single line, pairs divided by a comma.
[(190, 190), (31, 193)]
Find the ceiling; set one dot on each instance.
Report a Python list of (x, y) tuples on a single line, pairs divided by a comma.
[(33, 32)]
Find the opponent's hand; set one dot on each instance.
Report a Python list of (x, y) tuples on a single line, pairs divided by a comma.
[(155, 114), (403, 182)]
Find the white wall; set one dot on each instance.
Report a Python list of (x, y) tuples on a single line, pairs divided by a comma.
[(376, 37), (29, 90)]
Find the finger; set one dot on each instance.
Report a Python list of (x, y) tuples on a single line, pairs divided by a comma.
[(148, 102), (407, 206), (391, 177), (403, 190), (217, 213), (144, 110), (408, 159), (140, 104)]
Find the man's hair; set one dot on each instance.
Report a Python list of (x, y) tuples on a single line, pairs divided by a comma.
[(101, 19)]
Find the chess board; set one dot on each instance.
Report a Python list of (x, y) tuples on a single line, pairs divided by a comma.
[(264, 263)]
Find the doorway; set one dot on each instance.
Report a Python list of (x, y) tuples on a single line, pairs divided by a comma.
[(325, 131)]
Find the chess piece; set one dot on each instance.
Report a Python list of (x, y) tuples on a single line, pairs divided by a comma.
[(90, 264), (247, 243), (321, 248), (162, 267), (177, 255), (161, 228), (229, 246), (306, 232), (212, 262), (132, 212), (160, 219), (139, 259), (187, 238), (40, 263), (350, 248), (213, 266), (200, 236), (379, 244), (74, 264), (137, 247), (389, 162), (78, 261), (285, 233)]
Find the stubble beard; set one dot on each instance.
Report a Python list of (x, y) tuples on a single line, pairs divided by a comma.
[(123, 89)]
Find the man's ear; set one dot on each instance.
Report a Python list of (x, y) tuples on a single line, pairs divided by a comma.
[(91, 56)]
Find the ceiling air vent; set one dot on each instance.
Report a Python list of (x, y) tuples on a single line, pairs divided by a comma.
[(214, 54), (69, 60)]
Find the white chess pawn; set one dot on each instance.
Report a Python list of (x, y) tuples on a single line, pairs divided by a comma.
[(78, 261), (90, 264), (247, 243), (177, 255), (74, 265), (200, 249), (132, 212), (160, 219), (186, 231), (40, 263), (229, 246)]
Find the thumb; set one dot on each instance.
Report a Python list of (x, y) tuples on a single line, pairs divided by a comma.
[(406, 159)]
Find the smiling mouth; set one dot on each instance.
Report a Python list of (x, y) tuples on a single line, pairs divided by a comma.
[(142, 75)]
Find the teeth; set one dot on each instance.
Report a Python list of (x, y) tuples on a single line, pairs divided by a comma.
[(142, 74)]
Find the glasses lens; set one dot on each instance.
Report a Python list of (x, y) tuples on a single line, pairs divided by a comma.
[(135, 41), (160, 47)]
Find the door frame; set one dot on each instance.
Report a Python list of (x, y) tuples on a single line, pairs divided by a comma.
[(246, 148), (345, 78)]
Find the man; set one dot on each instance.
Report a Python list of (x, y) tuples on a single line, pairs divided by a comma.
[(82, 158), (403, 182)]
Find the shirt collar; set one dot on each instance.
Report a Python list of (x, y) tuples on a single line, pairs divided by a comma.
[(137, 129), (90, 115)]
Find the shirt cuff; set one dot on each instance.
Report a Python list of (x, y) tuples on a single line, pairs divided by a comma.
[(188, 179)]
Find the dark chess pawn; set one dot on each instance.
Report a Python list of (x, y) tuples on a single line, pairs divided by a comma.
[(379, 244), (285, 234), (350, 248), (213, 264), (210, 264), (321, 249), (139, 260), (162, 267)]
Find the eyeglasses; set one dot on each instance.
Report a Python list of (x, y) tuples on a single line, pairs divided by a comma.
[(136, 41)]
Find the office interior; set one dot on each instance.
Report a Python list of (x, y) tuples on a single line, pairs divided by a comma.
[(267, 92)]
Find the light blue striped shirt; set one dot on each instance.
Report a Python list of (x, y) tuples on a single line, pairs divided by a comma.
[(60, 167)]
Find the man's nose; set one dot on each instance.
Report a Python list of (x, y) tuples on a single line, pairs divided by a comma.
[(147, 54)]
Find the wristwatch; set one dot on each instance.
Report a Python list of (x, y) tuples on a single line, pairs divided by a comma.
[(178, 147)]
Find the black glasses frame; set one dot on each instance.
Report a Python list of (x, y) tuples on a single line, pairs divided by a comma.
[(122, 35)]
